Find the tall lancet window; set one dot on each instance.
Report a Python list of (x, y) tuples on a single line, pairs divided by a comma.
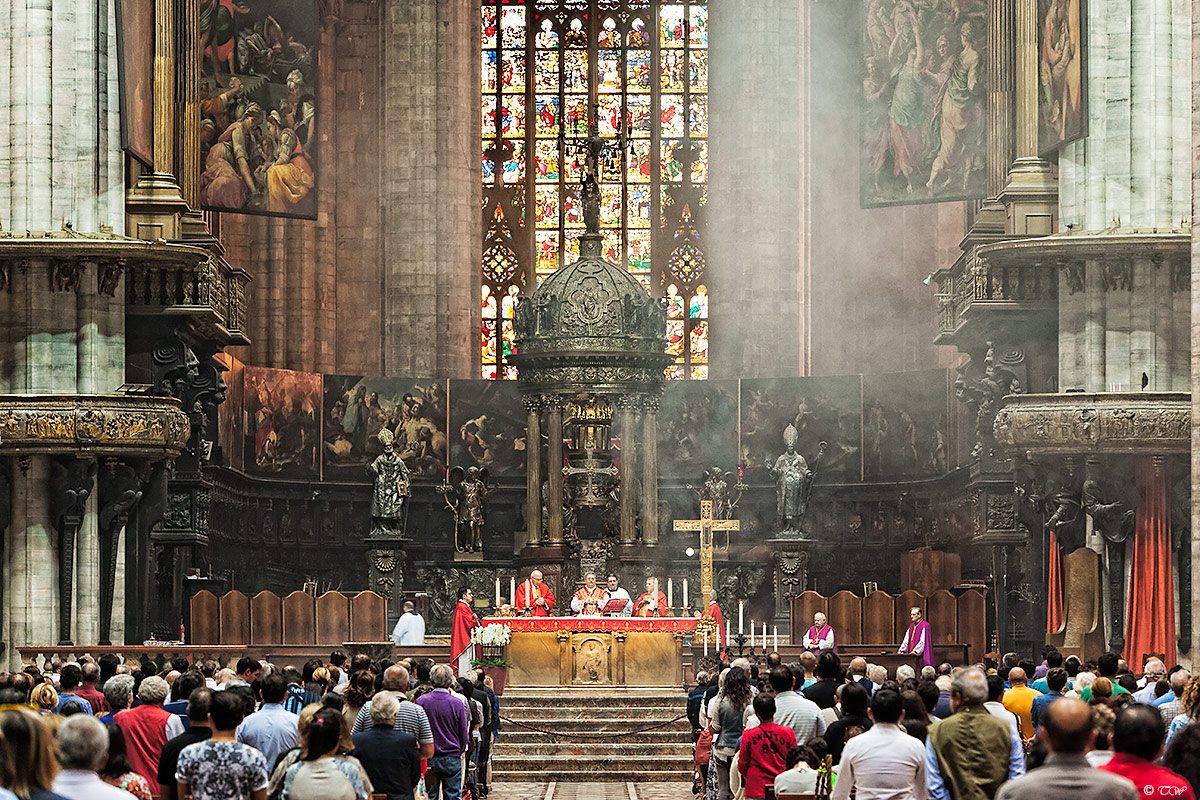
[(640, 69)]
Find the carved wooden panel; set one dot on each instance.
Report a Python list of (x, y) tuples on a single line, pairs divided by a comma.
[(205, 618), (235, 625), (941, 609), (879, 618), (299, 619), (803, 607), (905, 602), (368, 618), (266, 619), (846, 617), (972, 624), (333, 618)]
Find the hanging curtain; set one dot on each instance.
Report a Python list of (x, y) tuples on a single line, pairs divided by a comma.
[(1150, 626), (1054, 581)]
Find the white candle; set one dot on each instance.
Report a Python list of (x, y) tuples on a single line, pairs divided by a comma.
[(497, 594), (741, 611), (776, 648), (670, 593), (727, 637), (751, 634), (705, 643), (685, 596), (764, 645), (512, 590)]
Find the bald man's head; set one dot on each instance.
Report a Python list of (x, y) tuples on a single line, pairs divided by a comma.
[(395, 679), (1068, 726), (1017, 677)]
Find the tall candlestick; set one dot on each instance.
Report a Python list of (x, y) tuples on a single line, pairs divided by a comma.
[(497, 592), (670, 593), (512, 590), (776, 647), (741, 611), (685, 595)]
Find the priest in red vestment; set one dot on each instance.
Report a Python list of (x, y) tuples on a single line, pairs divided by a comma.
[(462, 649), (589, 598), (714, 613), (534, 598), (652, 602)]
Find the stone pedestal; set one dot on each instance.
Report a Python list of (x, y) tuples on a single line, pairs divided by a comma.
[(388, 561)]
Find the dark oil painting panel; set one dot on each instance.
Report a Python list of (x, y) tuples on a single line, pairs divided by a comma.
[(282, 423), (906, 425), (487, 426), (924, 101), (135, 45), (1062, 73), (358, 407), (697, 428), (822, 409), (258, 111)]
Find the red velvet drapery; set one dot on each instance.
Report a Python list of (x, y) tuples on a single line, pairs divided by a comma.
[(1054, 592), (1150, 626)]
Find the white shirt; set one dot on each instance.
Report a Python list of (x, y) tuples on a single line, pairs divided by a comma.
[(885, 763), (619, 594), (78, 784), (410, 629), (800, 779)]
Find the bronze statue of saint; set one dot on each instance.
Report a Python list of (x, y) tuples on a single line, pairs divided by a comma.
[(793, 480), (390, 477)]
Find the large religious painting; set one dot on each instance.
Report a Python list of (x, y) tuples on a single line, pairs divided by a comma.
[(1062, 87), (357, 408), (906, 431), (697, 427), (282, 423), (258, 89), (924, 101), (826, 409), (487, 426), (135, 44)]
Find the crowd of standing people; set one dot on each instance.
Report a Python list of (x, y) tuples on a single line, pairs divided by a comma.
[(349, 729), (1005, 728)]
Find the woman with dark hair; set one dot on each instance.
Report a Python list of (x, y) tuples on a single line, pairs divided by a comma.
[(117, 770), (1183, 755), (323, 773), (800, 776), (854, 720), (733, 709), (359, 692), (28, 757), (829, 677), (916, 715)]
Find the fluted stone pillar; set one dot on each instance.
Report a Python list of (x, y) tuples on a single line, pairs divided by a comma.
[(533, 476), (31, 601), (650, 473), (554, 463)]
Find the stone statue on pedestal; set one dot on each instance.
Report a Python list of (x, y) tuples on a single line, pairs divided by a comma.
[(465, 492), (391, 488), (793, 483)]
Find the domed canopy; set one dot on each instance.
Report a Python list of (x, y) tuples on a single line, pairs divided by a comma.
[(591, 326)]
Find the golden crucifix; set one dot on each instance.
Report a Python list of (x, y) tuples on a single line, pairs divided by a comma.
[(706, 525)]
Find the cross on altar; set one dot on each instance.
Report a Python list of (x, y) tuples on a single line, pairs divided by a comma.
[(706, 525)]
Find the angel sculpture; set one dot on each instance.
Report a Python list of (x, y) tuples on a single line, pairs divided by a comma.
[(465, 492)]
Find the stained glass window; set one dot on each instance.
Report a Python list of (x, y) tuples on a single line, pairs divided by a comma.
[(640, 69)]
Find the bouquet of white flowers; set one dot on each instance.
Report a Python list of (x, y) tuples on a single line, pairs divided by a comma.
[(495, 635)]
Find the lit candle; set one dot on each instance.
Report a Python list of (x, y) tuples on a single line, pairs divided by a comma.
[(741, 611), (685, 595), (706, 641), (776, 647), (670, 593), (764, 645), (512, 590), (497, 592), (751, 634), (727, 637)]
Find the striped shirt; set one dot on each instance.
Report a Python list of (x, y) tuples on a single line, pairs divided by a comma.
[(410, 719)]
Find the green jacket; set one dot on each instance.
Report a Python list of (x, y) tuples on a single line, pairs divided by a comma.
[(973, 749)]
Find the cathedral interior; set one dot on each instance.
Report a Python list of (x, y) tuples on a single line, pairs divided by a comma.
[(568, 267)]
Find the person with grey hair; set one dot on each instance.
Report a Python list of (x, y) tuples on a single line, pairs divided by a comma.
[(970, 753), (148, 727), (451, 725), (410, 628), (1169, 709), (389, 756), (118, 693), (410, 718), (82, 753)]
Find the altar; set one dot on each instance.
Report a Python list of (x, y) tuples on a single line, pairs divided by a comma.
[(592, 651)]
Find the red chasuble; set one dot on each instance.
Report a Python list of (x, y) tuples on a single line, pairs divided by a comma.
[(461, 626), (595, 594), (650, 606), (714, 611), (527, 595)]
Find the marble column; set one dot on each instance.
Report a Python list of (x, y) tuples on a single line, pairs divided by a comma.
[(554, 463), (1194, 543), (628, 475), (86, 601), (650, 473), (533, 476), (30, 600)]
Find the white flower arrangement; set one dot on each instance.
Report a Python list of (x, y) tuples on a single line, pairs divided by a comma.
[(496, 634)]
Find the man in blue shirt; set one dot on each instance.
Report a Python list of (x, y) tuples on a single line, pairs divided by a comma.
[(70, 679), (1056, 681), (272, 730)]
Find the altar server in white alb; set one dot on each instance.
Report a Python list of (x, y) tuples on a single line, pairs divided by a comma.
[(410, 628), (617, 602)]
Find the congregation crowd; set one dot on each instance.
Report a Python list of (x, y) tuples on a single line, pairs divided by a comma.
[(1007, 728), (351, 729)]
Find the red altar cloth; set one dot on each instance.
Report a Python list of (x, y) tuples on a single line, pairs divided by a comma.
[(666, 624)]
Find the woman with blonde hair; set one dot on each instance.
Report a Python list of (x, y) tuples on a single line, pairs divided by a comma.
[(28, 757), (43, 698)]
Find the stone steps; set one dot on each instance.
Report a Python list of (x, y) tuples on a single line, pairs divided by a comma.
[(663, 754)]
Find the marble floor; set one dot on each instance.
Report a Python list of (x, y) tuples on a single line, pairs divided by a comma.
[(591, 791)]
